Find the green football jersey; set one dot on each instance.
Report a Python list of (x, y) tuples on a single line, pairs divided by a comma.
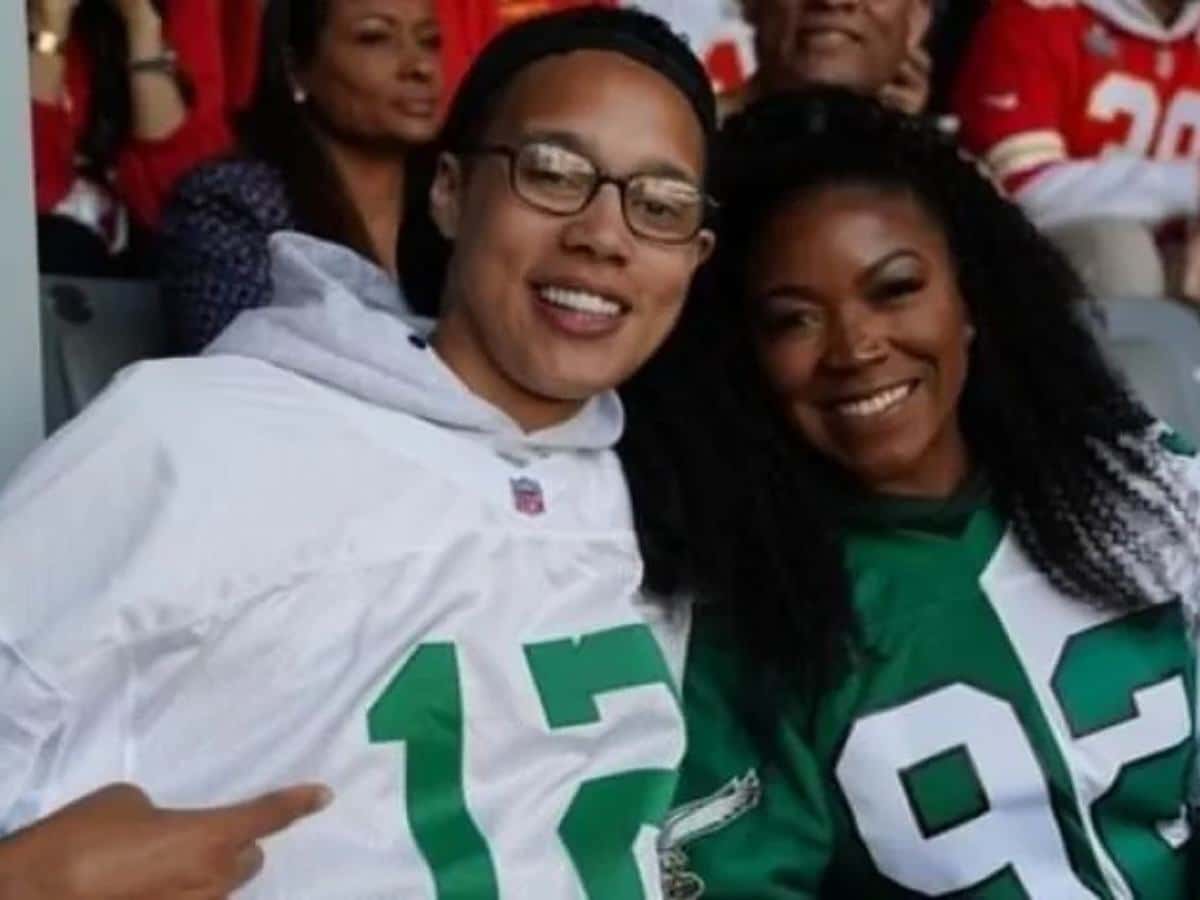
[(993, 740)]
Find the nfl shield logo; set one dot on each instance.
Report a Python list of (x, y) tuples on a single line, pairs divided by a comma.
[(527, 496)]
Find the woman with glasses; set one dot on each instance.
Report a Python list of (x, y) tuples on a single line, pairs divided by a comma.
[(392, 556)]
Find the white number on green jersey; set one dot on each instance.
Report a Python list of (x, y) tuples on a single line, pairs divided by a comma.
[(963, 785), (973, 743)]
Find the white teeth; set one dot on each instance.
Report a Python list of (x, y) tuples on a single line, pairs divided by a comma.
[(877, 403), (580, 301)]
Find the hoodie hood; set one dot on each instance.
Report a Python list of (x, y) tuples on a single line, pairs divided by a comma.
[(338, 319), (1135, 17)]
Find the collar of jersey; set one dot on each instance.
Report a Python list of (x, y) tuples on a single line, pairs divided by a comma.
[(1136, 18), (946, 515)]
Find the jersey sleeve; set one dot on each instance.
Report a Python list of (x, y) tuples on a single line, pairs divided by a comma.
[(1118, 187), (750, 824), (1009, 97), (72, 521), (32, 715)]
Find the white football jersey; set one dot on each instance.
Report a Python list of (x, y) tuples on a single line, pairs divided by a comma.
[(228, 578)]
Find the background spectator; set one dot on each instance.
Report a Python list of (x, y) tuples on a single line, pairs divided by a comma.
[(127, 95), (346, 90), (872, 46), (1089, 115), (719, 33)]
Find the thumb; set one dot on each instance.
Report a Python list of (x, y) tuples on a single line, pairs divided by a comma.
[(266, 814)]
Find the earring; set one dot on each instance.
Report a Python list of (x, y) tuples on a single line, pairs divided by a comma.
[(299, 95)]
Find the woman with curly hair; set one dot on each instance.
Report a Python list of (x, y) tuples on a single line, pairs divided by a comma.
[(973, 558)]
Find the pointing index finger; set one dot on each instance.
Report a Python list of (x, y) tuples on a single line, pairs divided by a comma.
[(268, 813)]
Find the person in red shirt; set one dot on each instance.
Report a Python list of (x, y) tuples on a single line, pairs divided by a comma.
[(1088, 112), (127, 95)]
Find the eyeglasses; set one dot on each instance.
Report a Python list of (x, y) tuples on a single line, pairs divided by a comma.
[(562, 182)]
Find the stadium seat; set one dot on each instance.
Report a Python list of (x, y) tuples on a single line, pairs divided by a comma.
[(91, 328), (1156, 344)]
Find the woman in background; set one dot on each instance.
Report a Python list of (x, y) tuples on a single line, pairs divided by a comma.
[(346, 90), (127, 96)]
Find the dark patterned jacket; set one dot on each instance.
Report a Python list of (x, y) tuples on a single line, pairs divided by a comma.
[(214, 259)]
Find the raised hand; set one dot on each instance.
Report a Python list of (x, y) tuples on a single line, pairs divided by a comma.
[(909, 91)]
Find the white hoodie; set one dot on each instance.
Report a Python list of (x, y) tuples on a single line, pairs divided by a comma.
[(315, 555)]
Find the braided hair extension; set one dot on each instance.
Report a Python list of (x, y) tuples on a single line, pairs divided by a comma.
[(1067, 448)]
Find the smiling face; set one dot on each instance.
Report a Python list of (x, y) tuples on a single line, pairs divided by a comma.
[(542, 311), (376, 75), (859, 44), (864, 337)]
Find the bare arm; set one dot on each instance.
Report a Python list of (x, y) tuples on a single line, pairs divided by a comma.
[(158, 104)]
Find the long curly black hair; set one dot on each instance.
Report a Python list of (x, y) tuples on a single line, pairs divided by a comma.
[(732, 504)]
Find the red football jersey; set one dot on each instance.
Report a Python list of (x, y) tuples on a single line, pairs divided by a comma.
[(1051, 81)]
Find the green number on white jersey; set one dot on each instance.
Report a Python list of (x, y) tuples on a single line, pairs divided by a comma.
[(607, 814), (422, 706)]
